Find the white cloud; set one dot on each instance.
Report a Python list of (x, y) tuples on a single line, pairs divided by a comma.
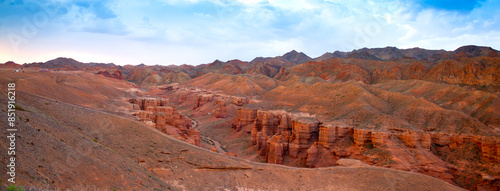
[(200, 31)]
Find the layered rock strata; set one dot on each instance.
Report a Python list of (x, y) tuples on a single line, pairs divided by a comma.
[(278, 135), (166, 119), (221, 110)]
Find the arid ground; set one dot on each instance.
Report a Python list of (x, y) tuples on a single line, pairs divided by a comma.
[(372, 119)]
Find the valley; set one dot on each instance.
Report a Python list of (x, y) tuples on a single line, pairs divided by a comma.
[(377, 119)]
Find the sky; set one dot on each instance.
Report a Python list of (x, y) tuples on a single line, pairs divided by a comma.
[(195, 32)]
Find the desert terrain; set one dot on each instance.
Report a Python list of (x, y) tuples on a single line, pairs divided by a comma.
[(369, 119)]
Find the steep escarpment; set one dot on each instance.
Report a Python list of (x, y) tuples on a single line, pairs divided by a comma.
[(301, 140)]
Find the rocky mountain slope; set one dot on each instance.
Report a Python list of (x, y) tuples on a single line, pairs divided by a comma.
[(467, 65)]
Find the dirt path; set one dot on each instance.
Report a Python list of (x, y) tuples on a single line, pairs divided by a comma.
[(216, 144), (209, 140)]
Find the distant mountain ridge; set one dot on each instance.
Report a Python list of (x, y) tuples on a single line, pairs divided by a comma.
[(391, 53), (370, 65)]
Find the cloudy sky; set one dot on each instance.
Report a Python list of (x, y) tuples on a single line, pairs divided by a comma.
[(200, 31)]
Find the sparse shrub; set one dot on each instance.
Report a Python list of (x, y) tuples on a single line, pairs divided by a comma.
[(19, 108), (14, 188)]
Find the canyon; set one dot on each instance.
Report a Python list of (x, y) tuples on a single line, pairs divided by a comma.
[(305, 140), (410, 111)]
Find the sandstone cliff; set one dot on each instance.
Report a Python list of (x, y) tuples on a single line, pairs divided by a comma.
[(166, 119), (300, 140)]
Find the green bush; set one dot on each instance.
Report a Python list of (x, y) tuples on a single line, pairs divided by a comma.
[(14, 188), (19, 108)]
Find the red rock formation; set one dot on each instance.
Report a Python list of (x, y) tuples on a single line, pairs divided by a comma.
[(276, 147), (413, 139), (362, 137), (388, 74), (275, 132), (240, 101), (489, 149), (415, 71), (312, 155), (220, 111), (330, 132), (282, 74), (244, 117), (278, 135), (380, 138), (305, 130), (164, 118), (193, 137), (327, 135), (117, 74), (182, 97), (474, 72), (202, 99), (143, 103), (231, 154)]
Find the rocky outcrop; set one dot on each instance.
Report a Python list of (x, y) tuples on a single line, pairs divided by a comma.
[(182, 97), (244, 117), (490, 148), (362, 137), (240, 101), (193, 137), (166, 119), (380, 138), (481, 72), (414, 139), (143, 103), (202, 99), (282, 74), (300, 140), (276, 149), (276, 133), (312, 155), (220, 111), (330, 132), (117, 74), (305, 130), (163, 89)]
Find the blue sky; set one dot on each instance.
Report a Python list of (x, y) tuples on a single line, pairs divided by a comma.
[(199, 31)]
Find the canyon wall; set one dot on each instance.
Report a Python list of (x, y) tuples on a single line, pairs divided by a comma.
[(166, 119), (301, 140), (298, 133)]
